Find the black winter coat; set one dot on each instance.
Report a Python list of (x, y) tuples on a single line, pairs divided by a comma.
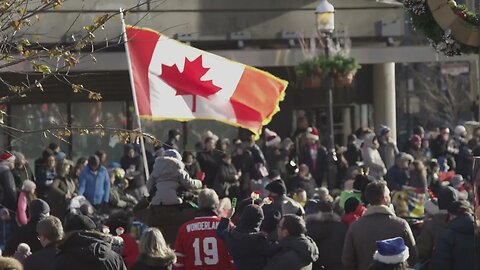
[(464, 160), (328, 232), (42, 260), (225, 179), (82, 250), (321, 166), (138, 175), (148, 263), (8, 192), (456, 246), (273, 156), (353, 155), (209, 162), (22, 174), (26, 234), (249, 249), (306, 183), (297, 253)]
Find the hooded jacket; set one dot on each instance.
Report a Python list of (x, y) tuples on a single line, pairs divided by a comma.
[(378, 223), (328, 232), (87, 250), (372, 159), (456, 246), (145, 262), (167, 176), (296, 253), (248, 248)]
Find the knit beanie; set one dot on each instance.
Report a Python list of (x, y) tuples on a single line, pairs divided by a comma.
[(311, 207), (244, 203), (173, 154), (38, 208), (446, 196), (351, 205), (28, 186), (251, 218), (325, 206), (277, 187), (80, 223)]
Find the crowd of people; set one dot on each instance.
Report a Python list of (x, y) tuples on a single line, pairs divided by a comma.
[(247, 204)]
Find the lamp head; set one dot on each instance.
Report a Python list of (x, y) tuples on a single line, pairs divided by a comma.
[(325, 13)]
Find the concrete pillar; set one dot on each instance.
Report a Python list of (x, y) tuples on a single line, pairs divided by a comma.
[(384, 97), (347, 125)]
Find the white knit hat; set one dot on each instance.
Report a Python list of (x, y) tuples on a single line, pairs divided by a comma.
[(28, 186)]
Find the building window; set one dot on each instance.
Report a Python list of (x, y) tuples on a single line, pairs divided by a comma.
[(197, 128), (91, 114), (40, 118)]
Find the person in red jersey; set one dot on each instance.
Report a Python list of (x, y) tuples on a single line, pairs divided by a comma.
[(197, 245)]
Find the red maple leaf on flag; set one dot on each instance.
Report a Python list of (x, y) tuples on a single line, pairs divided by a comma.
[(189, 81)]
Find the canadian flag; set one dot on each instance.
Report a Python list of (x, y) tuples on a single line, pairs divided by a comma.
[(172, 80)]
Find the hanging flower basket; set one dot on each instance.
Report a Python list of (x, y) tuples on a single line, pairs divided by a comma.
[(311, 82), (340, 67), (343, 80)]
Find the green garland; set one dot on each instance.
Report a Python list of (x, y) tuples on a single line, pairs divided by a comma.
[(422, 20)]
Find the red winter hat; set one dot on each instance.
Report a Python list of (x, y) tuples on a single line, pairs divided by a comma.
[(312, 133), (7, 156)]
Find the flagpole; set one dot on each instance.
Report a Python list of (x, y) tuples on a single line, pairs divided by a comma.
[(139, 123)]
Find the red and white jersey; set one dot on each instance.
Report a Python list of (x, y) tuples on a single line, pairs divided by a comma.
[(198, 247)]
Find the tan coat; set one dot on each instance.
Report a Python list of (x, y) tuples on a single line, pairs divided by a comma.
[(378, 223)]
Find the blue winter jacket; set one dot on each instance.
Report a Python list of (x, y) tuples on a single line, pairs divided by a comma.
[(95, 187)]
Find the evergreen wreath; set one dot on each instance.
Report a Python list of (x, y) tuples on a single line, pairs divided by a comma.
[(441, 39)]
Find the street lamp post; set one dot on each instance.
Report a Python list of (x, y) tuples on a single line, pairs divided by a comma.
[(325, 22)]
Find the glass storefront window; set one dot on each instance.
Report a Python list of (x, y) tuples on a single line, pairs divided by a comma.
[(90, 114), (197, 128), (159, 129), (37, 117)]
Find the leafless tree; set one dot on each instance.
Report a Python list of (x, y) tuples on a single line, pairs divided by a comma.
[(443, 98), (53, 60)]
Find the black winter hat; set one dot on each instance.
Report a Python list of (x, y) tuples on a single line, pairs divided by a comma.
[(311, 207), (446, 196), (251, 218), (80, 223), (459, 208), (351, 204), (38, 208), (93, 161), (244, 203), (277, 187), (325, 206)]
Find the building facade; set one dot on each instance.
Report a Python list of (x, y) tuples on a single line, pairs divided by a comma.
[(263, 34)]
